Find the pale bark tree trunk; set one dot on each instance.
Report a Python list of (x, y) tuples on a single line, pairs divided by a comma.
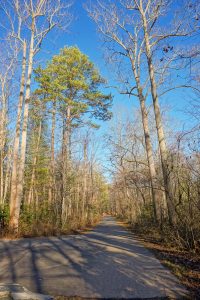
[(49, 16), (15, 211), (7, 174), (4, 154), (2, 148), (14, 175), (159, 126), (149, 149), (152, 170), (3, 117), (1, 179)]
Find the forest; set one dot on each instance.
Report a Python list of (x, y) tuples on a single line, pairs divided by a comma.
[(57, 175)]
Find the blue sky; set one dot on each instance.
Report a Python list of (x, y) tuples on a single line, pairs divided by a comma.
[(83, 33)]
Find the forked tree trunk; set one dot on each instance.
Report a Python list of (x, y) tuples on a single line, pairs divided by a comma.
[(14, 218), (14, 173), (159, 126)]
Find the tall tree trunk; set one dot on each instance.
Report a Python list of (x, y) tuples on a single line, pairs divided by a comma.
[(149, 148), (2, 140), (14, 173), (66, 171), (3, 132), (1, 179), (69, 162), (159, 126), (84, 195), (51, 197), (152, 171), (63, 175), (1, 175), (7, 174), (14, 220), (30, 193)]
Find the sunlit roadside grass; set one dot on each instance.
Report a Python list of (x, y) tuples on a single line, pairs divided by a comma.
[(183, 264)]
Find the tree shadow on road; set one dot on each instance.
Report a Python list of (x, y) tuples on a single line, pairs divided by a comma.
[(104, 263)]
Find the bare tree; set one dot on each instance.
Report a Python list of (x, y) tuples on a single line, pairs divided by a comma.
[(149, 13), (133, 25), (115, 26), (30, 22)]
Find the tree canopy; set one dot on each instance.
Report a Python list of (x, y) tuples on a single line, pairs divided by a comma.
[(72, 80)]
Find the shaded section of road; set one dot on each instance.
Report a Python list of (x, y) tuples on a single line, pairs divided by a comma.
[(104, 263)]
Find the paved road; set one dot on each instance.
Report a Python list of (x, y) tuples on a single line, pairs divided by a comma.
[(104, 263)]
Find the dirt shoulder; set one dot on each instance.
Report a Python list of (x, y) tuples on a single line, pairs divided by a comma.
[(185, 265)]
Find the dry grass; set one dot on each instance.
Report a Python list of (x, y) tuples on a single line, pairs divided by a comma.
[(39, 229), (184, 264)]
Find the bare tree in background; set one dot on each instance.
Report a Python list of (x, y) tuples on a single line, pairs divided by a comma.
[(115, 26), (135, 27)]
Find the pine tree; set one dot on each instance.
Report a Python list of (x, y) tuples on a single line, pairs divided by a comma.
[(72, 86)]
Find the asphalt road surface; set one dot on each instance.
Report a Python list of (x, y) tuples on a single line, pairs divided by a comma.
[(104, 263)]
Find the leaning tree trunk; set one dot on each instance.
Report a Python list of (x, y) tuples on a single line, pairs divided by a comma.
[(159, 127), (14, 173)]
